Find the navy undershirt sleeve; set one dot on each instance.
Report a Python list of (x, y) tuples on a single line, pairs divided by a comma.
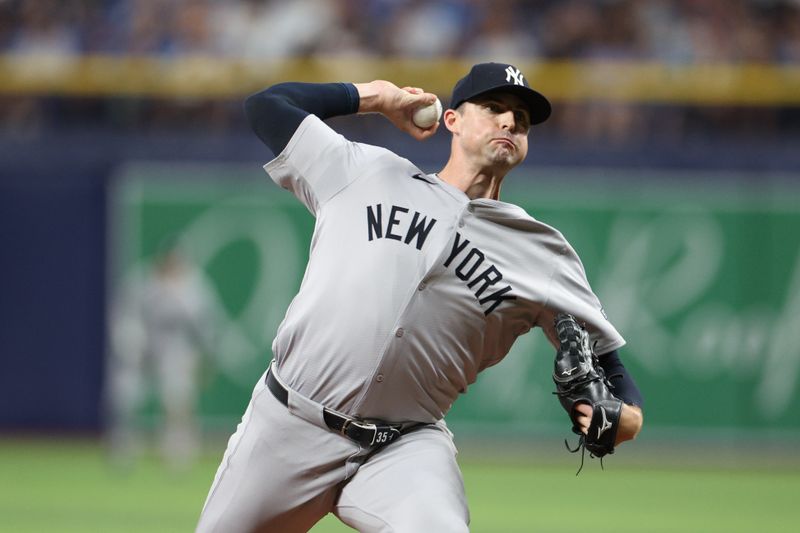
[(625, 387), (275, 113)]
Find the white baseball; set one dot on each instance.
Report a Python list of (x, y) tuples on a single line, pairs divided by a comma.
[(427, 116)]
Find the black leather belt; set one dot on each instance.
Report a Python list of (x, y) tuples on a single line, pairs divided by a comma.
[(364, 433)]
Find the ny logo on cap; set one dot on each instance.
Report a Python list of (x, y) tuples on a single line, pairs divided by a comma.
[(514, 73)]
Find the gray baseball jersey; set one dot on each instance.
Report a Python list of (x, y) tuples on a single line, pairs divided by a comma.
[(412, 288)]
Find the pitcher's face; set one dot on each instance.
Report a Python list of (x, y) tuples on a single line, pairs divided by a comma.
[(494, 128)]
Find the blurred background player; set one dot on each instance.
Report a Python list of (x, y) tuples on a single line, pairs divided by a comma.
[(162, 326)]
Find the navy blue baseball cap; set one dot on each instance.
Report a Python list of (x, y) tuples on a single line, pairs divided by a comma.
[(487, 77)]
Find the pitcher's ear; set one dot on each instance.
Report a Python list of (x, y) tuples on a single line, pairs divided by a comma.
[(451, 119)]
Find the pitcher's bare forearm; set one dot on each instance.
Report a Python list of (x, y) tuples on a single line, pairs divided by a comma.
[(630, 423)]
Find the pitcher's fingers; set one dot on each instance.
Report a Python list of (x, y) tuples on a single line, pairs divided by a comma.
[(583, 416), (421, 134), (424, 98)]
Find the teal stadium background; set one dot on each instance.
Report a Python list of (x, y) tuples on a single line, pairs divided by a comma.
[(703, 280)]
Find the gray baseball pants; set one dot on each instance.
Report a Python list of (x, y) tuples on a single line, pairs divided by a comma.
[(283, 470)]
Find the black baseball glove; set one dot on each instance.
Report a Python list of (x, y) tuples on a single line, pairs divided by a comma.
[(580, 379)]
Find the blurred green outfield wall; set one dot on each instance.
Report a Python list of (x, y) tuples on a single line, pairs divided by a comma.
[(701, 274)]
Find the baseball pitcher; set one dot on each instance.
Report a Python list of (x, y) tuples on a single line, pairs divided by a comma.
[(415, 283)]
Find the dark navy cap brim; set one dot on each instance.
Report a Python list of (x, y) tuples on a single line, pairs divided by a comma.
[(485, 78), (538, 106)]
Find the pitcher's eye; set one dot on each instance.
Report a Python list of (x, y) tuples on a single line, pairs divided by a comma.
[(522, 118)]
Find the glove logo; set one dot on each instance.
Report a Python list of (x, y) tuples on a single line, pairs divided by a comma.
[(569, 372), (605, 425)]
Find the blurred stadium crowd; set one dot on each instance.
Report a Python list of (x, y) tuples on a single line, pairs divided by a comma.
[(664, 31)]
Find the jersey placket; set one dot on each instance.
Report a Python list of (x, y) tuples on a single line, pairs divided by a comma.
[(383, 369)]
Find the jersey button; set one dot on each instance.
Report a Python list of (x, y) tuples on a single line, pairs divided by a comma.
[(460, 223), (379, 378), (422, 286), (471, 208), (399, 332)]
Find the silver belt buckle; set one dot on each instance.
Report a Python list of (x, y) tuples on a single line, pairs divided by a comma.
[(368, 427), (382, 436)]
